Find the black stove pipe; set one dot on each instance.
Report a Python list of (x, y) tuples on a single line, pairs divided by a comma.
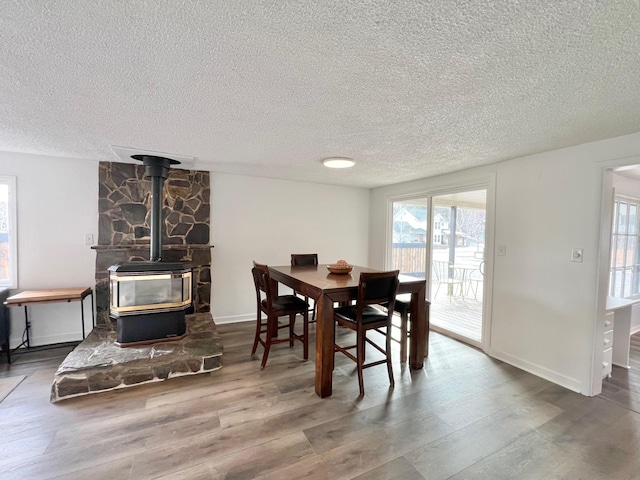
[(157, 169)]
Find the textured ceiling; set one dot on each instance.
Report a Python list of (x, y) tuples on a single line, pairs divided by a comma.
[(409, 89)]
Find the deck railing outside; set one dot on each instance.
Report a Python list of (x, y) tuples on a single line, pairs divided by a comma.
[(462, 313), (410, 258)]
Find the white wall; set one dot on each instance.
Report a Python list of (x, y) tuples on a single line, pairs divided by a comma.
[(267, 220), (543, 306), (626, 186), (57, 205), (252, 219)]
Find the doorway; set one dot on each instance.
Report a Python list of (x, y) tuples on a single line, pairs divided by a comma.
[(619, 283), (441, 238), (458, 264)]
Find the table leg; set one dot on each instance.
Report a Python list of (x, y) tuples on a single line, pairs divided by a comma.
[(81, 302), (27, 325), (418, 341), (325, 337)]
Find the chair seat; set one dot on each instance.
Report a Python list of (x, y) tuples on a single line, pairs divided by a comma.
[(369, 314), (285, 303), (403, 301)]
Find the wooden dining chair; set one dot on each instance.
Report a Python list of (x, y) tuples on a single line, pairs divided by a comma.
[(374, 290), (306, 259), (274, 307)]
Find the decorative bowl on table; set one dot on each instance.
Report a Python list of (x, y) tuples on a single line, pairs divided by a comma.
[(340, 267)]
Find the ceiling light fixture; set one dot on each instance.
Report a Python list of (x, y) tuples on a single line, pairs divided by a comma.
[(338, 162)]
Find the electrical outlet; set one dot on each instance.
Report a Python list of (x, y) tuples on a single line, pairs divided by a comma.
[(576, 255), (502, 250), (88, 238)]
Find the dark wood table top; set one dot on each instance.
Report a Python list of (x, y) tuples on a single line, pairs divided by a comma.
[(317, 278)]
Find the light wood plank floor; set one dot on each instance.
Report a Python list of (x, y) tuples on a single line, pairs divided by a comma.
[(623, 387), (464, 416)]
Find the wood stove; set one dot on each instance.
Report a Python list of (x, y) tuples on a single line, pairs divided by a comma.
[(149, 300)]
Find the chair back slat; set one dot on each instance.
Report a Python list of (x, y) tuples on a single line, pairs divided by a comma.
[(262, 282), (304, 259), (377, 288)]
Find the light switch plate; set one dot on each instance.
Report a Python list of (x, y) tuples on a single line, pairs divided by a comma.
[(502, 250), (576, 255)]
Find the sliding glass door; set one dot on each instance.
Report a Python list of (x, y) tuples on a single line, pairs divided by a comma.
[(410, 240), (457, 264), (442, 238)]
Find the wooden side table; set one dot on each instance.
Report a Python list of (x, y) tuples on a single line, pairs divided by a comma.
[(39, 297)]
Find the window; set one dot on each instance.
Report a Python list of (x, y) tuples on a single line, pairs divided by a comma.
[(624, 274), (8, 250), (408, 252)]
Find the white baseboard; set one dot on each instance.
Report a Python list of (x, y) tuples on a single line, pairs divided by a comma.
[(540, 371), (49, 339), (234, 319)]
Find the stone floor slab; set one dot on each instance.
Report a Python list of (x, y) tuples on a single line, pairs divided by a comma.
[(98, 364)]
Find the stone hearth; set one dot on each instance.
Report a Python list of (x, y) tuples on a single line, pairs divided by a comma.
[(98, 365)]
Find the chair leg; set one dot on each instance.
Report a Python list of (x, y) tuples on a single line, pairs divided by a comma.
[(257, 338), (360, 356), (267, 343), (388, 352), (312, 310), (305, 332), (292, 324), (404, 318)]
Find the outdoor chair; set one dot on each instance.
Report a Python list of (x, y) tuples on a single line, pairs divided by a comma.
[(374, 289), (474, 279), (273, 307), (444, 273)]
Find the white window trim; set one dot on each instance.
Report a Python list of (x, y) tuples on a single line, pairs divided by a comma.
[(629, 200), (12, 282)]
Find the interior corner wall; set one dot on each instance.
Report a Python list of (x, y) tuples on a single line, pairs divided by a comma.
[(57, 204), (267, 220), (543, 317)]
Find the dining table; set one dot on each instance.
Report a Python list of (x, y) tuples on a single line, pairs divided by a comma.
[(315, 281)]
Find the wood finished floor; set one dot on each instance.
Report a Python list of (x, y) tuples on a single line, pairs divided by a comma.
[(465, 416), (623, 387)]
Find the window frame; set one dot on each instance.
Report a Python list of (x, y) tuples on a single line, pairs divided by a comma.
[(628, 270), (12, 281)]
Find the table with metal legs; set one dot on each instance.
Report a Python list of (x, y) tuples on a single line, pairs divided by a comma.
[(39, 297)]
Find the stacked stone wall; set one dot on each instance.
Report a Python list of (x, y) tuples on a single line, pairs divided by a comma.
[(124, 208)]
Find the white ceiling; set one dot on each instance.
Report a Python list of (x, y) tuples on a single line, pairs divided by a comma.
[(409, 89)]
